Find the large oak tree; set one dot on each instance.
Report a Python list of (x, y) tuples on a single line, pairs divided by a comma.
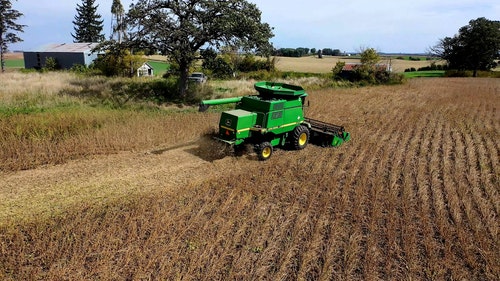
[(8, 28), (475, 47), (180, 28)]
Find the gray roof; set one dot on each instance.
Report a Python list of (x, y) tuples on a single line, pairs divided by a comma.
[(66, 48)]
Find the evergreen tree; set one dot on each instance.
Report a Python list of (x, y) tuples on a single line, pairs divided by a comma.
[(88, 23), (8, 28)]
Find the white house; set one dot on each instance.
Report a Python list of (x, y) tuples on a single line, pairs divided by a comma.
[(145, 70)]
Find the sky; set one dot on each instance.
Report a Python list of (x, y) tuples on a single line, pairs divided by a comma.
[(389, 26)]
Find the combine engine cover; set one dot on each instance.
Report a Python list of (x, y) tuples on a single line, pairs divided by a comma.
[(235, 125)]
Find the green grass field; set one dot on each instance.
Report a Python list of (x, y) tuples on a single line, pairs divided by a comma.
[(14, 63), (429, 73), (159, 67)]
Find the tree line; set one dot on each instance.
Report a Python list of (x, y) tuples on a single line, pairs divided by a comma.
[(181, 29), (301, 52)]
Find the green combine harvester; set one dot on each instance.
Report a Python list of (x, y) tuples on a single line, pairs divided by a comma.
[(273, 118)]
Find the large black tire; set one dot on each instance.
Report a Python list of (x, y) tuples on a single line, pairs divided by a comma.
[(300, 137), (264, 150)]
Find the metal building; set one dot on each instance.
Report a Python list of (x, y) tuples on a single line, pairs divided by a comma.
[(66, 55)]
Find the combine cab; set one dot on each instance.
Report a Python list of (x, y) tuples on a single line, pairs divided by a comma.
[(274, 117)]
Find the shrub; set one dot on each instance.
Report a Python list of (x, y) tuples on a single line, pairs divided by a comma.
[(214, 65), (51, 64), (469, 73), (337, 69), (250, 63), (458, 73), (82, 69), (433, 66), (197, 92), (119, 63), (119, 92)]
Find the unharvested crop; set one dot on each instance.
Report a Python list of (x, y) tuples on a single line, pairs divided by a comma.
[(413, 196), (40, 123)]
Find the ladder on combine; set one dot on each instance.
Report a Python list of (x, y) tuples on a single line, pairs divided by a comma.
[(326, 134)]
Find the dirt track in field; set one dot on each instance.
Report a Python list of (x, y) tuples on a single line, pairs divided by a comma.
[(49, 190)]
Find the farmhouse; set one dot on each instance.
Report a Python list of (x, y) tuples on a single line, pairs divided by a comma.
[(66, 55)]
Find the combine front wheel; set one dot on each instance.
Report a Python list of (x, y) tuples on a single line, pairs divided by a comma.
[(264, 150), (300, 137)]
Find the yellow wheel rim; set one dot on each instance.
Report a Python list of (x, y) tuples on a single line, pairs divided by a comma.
[(302, 139), (266, 152)]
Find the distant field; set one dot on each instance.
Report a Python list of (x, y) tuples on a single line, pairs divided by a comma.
[(313, 64), (310, 64), (14, 60), (324, 65)]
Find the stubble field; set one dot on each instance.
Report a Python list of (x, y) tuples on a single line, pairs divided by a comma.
[(413, 196)]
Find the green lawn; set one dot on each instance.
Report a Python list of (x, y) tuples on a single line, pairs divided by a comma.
[(159, 67), (14, 63), (429, 73)]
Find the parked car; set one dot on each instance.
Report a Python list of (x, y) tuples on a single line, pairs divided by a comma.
[(198, 77)]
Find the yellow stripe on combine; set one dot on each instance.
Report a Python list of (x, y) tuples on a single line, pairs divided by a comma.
[(227, 128), (259, 129), (286, 125), (233, 130), (291, 124), (243, 130)]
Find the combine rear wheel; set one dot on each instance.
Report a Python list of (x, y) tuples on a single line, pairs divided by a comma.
[(300, 137), (264, 150)]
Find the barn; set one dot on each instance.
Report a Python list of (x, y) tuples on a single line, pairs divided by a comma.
[(66, 55)]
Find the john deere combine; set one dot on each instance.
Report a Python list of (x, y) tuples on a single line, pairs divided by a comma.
[(274, 117)]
